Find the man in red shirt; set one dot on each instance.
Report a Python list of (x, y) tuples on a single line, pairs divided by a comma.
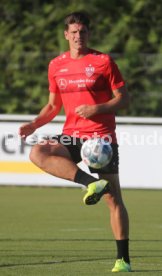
[(90, 87)]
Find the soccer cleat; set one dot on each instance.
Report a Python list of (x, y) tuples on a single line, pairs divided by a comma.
[(121, 266), (95, 191)]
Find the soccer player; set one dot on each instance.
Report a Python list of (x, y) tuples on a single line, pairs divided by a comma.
[(91, 89)]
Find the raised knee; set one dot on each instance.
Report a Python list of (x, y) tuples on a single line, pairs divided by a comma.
[(36, 156)]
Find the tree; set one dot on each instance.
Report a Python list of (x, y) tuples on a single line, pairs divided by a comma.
[(31, 33)]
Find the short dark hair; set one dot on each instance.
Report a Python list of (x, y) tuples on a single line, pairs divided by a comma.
[(79, 17)]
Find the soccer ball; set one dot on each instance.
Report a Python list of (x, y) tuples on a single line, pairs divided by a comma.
[(96, 153)]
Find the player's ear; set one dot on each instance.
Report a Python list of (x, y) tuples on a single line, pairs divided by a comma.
[(66, 35)]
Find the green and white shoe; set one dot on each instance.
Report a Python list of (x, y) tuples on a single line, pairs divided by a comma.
[(95, 191), (121, 266)]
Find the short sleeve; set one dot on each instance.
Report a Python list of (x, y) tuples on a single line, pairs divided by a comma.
[(51, 80), (115, 79)]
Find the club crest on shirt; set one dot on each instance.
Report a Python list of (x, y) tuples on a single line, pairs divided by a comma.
[(89, 71)]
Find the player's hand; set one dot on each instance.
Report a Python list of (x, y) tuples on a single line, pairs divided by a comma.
[(86, 111), (26, 130)]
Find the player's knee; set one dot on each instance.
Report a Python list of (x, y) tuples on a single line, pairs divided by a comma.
[(113, 201), (33, 154), (36, 156)]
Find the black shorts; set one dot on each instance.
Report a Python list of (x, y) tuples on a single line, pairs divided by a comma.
[(74, 145)]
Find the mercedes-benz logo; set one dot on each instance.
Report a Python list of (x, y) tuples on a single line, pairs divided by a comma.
[(62, 83)]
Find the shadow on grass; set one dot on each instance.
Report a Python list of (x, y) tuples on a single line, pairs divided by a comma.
[(59, 262), (151, 270), (69, 240), (53, 262), (54, 240), (70, 261)]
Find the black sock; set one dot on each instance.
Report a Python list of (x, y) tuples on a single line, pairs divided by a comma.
[(84, 178), (123, 250)]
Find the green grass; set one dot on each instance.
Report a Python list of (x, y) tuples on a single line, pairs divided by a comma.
[(48, 231)]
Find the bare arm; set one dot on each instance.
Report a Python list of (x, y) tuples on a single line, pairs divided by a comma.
[(119, 101), (48, 112)]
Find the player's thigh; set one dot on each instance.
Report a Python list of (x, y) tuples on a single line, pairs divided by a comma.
[(40, 151), (115, 190)]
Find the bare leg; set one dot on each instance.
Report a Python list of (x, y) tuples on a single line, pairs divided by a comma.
[(55, 160), (118, 213)]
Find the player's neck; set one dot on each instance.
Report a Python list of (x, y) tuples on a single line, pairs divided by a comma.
[(77, 53)]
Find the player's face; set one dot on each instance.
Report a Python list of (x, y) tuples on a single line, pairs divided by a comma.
[(77, 35)]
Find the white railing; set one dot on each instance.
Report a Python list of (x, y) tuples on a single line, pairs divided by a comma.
[(61, 118)]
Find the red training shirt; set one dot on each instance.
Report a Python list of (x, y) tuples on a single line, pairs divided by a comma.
[(88, 80)]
